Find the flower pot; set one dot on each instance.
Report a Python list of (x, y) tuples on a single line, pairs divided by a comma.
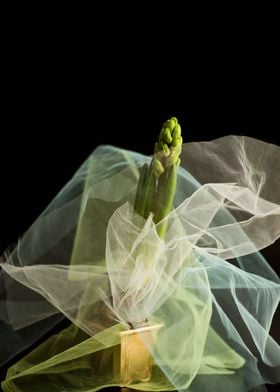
[(133, 360)]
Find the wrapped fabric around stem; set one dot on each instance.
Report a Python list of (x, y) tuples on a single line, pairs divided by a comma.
[(206, 283)]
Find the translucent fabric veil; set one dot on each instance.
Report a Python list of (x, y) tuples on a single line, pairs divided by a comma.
[(91, 258)]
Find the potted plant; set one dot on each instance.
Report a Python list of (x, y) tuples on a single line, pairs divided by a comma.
[(157, 266)]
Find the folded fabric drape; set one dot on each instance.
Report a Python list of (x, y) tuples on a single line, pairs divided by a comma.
[(91, 258)]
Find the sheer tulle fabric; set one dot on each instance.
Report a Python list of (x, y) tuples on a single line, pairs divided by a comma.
[(91, 258)]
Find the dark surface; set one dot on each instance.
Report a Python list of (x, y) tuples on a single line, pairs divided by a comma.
[(48, 130)]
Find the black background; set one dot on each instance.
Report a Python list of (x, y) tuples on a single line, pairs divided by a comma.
[(51, 123)]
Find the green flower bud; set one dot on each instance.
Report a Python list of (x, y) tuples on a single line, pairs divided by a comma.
[(157, 167)]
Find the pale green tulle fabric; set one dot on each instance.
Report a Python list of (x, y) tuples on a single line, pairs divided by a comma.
[(91, 258)]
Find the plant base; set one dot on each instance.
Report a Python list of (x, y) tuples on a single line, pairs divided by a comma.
[(133, 359)]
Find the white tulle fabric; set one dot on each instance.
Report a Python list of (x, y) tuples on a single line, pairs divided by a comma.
[(91, 258)]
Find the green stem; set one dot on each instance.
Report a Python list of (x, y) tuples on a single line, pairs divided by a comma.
[(168, 193), (138, 204), (150, 188)]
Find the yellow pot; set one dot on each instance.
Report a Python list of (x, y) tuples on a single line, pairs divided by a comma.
[(133, 359)]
